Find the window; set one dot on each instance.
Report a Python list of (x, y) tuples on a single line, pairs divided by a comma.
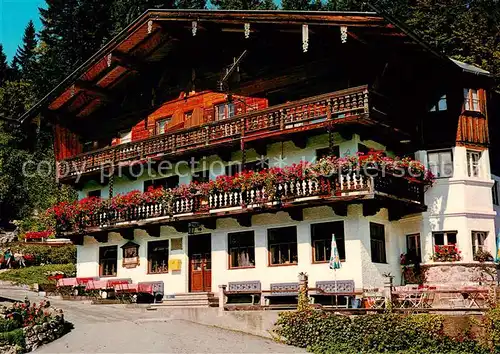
[(125, 137), (282, 244), (494, 192), (478, 241), (201, 176), (377, 243), (321, 240), (161, 125), (96, 193), (441, 105), (108, 260), (471, 100), (413, 252), (473, 158), (188, 115), (241, 249), (224, 111), (325, 152), (444, 238), (166, 183), (441, 163), (158, 257)]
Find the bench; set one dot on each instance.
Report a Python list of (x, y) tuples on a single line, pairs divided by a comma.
[(282, 290), (331, 288), (153, 288), (239, 289)]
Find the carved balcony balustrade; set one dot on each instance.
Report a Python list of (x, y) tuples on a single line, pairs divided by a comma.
[(291, 117), (348, 187)]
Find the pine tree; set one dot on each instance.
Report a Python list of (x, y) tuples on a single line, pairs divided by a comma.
[(244, 4), (296, 5), (4, 66), (73, 30), (25, 59), (190, 4)]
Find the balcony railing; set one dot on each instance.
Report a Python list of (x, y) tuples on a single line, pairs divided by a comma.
[(347, 187), (310, 113)]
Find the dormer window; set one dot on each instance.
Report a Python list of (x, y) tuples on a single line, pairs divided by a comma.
[(224, 111), (161, 125), (471, 100), (442, 105)]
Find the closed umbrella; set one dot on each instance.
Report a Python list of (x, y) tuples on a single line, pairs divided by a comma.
[(335, 259)]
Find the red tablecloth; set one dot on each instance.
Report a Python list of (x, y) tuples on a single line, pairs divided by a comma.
[(97, 285), (67, 282), (129, 288), (84, 281)]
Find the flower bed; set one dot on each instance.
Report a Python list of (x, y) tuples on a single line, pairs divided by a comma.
[(446, 253), (79, 215), (24, 326), (38, 235)]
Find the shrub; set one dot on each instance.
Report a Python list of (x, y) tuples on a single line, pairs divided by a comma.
[(324, 332), (37, 274), (49, 255), (491, 326), (7, 325), (15, 337)]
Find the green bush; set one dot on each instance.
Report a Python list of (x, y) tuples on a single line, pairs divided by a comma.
[(47, 254), (491, 325), (36, 274), (15, 337), (324, 332), (7, 325)]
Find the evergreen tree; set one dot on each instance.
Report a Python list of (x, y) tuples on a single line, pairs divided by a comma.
[(25, 59), (244, 4), (73, 30), (296, 5), (4, 66), (191, 4)]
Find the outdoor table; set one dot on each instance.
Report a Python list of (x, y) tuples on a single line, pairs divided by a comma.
[(472, 295), (84, 281), (97, 285), (66, 282), (126, 291)]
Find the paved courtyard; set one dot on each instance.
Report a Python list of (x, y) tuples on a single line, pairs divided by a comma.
[(115, 329)]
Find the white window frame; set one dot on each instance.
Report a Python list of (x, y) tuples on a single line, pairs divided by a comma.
[(471, 100), (478, 241), (445, 237), (229, 111), (438, 171), (473, 163), (165, 121)]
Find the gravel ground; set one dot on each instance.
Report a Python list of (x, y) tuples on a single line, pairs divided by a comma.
[(114, 329)]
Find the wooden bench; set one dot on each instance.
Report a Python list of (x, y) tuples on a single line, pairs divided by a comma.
[(240, 289), (333, 289), (281, 290)]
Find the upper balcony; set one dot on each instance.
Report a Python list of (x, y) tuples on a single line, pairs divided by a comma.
[(276, 122)]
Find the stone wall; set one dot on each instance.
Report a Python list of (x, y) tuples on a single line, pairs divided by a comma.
[(47, 332), (459, 273)]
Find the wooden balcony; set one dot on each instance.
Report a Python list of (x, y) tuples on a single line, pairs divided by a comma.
[(400, 195), (289, 118)]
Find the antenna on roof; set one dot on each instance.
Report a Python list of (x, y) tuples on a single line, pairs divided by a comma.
[(235, 66)]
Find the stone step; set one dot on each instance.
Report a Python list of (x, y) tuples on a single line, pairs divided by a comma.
[(185, 303), (189, 297)]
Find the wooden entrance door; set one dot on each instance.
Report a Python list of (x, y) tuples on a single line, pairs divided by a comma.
[(200, 263)]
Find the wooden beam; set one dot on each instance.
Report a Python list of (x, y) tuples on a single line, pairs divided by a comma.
[(90, 88), (152, 230), (209, 223), (180, 226), (127, 61), (296, 214), (245, 220), (371, 207), (127, 234), (340, 209), (101, 236)]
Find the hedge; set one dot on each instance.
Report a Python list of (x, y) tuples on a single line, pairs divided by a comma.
[(15, 337), (323, 332), (36, 274), (47, 254)]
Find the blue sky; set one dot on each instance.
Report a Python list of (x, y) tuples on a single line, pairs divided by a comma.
[(14, 16)]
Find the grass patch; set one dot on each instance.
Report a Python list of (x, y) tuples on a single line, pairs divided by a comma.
[(37, 274)]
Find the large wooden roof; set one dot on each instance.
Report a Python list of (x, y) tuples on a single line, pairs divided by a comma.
[(151, 39)]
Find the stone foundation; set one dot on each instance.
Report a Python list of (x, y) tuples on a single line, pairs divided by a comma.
[(459, 273), (47, 332)]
